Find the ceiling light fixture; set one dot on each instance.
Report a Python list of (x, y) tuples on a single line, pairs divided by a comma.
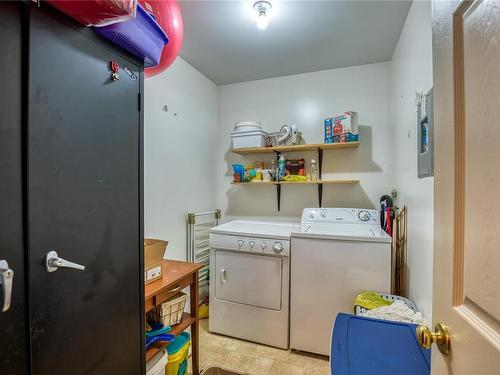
[(262, 9)]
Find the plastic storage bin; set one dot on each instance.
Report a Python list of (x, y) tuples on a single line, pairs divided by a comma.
[(156, 365), (97, 12), (253, 138), (178, 351), (361, 346), (141, 36)]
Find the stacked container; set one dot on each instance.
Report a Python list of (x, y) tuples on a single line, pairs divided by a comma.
[(248, 134)]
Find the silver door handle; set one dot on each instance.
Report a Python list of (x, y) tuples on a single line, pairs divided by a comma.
[(6, 276), (223, 276), (53, 262)]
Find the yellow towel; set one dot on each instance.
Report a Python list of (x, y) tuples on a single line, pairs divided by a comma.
[(295, 177), (370, 300)]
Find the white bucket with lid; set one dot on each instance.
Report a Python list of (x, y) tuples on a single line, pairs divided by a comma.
[(254, 138), (246, 126)]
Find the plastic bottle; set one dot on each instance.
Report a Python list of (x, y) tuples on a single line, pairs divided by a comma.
[(313, 173), (281, 167), (274, 170)]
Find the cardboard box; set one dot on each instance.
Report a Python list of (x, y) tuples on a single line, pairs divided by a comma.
[(154, 251), (344, 123)]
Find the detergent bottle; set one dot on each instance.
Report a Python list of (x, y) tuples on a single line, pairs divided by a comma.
[(281, 167)]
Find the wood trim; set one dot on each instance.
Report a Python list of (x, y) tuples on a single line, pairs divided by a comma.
[(459, 113)]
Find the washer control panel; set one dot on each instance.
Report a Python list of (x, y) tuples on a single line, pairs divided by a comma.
[(341, 215), (251, 244)]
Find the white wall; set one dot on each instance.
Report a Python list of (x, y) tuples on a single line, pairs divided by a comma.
[(179, 159), (306, 99), (411, 72)]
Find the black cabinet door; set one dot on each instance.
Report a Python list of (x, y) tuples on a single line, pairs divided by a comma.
[(84, 203), (13, 349)]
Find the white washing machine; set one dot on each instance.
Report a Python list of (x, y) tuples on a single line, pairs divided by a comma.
[(249, 281), (338, 253)]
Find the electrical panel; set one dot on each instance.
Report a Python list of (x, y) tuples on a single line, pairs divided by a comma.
[(425, 124)]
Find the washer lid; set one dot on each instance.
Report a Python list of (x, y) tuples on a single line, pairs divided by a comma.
[(350, 232), (279, 230)]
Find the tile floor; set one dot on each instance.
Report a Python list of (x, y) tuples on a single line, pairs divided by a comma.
[(256, 359)]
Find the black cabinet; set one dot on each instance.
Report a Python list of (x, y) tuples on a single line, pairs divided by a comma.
[(13, 321), (72, 156)]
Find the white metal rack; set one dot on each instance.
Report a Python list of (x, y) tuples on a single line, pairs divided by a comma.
[(198, 231)]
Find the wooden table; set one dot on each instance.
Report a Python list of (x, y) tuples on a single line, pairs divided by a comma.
[(177, 276)]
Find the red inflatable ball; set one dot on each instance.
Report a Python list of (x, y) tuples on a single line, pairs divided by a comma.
[(169, 17)]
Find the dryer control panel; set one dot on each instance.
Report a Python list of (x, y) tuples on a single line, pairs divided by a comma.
[(270, 246), (341, 215)]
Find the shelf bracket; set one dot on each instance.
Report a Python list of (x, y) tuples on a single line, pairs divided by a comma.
[(320, 194), (320, 164), (278, 195)]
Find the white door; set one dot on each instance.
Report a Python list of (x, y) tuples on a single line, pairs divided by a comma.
[(249, 279), (466, 39)]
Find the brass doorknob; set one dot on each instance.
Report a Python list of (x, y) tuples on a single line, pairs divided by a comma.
[(441, 337)]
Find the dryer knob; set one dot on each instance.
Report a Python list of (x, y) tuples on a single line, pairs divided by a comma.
[(278, 247), (241, 243), (364, 215), (251, 244), (263, 245), (312, 214)]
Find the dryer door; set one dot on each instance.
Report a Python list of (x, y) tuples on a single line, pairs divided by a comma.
[(248, 279)]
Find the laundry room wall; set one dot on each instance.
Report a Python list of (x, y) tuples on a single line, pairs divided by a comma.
[(179, 157), (305, 100), (411, 72)]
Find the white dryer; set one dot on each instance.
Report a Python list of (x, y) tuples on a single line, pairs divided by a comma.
[(249, 281), (338, 253)]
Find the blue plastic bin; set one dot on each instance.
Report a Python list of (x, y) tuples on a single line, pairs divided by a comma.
[(141, 36), (363, 346)]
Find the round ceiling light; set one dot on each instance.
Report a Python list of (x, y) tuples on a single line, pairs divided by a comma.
[(262, 9)]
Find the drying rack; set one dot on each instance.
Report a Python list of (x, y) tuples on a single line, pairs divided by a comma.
[(399, 233), (198, 231)]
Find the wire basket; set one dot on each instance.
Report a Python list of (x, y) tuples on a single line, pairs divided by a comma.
[(170, 312), (284, 137), (390, 297)]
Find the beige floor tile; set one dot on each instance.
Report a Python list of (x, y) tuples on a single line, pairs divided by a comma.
[(267, 351), (295, 357), (318, 368), (254, 364), (286, 368), (223, 358), (317, 360), (256, 359)]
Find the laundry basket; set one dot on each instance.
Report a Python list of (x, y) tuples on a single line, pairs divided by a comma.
[(170, 312), (390, 297), (287, 136)]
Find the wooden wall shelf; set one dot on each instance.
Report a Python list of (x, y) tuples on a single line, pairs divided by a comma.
[(296, 148), (318, 147), (322, 182)]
